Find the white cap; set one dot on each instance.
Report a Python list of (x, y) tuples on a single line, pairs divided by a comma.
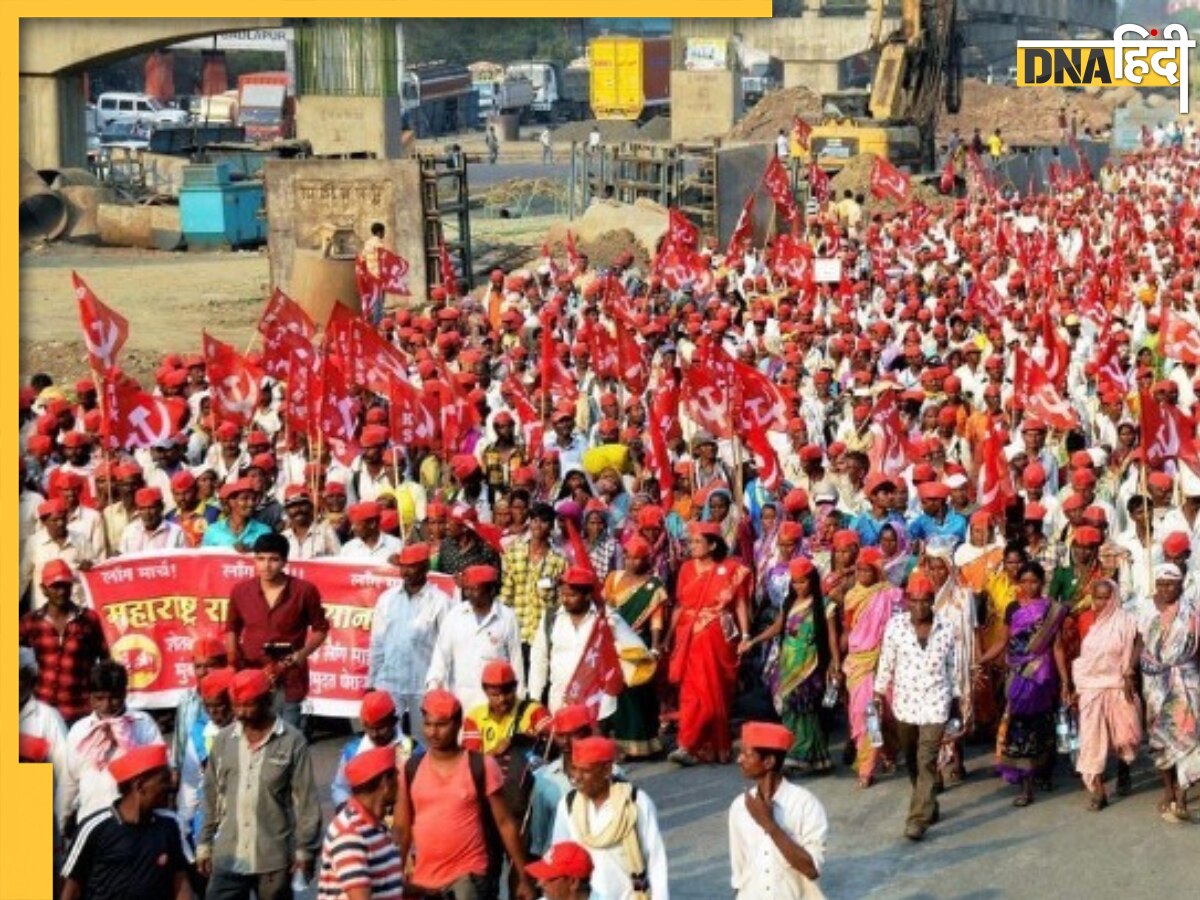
[(1167, 572), (956, 481)]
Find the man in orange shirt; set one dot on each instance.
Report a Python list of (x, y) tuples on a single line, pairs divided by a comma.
[(451, 812)]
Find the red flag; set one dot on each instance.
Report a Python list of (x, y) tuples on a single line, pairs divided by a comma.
[(574, 260), (104, 330), (370, 293), (708, 390), (1109, 369), (801, 132), (759, 405), (633, 369), (995, 480), (946, 182), (888, 181), (304, 374), (681, 233), (234, 382), (576, 548), (531, 423), (892, 451), (286, 330), (984, 297), (791, 259), (766, 463), (664, 413), (412, 421), (818, 182), (449, 277), (599, 670), (369, 359), (393, 273), (132, 417), (1180, 338), (779, 186), (1041, 398), (1058, 354), (337, 409), (743, 231), (1167, 434)]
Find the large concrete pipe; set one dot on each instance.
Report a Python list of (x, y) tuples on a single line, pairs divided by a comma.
[(43, 213)]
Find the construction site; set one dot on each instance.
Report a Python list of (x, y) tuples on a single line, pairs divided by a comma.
[(273, 178)]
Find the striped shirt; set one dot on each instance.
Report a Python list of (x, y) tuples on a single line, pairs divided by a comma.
[(359, 852)]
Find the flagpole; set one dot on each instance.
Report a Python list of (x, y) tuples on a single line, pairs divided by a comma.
[(104, 448), (1144, 490)]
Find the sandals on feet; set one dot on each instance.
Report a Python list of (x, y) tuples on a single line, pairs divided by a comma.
[(1022, 800), (1097, 803)]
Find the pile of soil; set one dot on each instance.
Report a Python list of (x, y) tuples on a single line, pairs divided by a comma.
[(774, 111), (609, 229), (611, 132), (856, 176), (1028, 116)]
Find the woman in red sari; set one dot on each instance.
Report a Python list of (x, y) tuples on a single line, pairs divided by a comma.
[(712, 612)]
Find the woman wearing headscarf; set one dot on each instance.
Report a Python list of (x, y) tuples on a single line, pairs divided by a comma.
[(767, 550), (601, 546), (803, 654), (1037, 678), (980, 554), (898, 563), (955, 603), (1110, 716), (640, 598), (711, 614), (867, 606), (720, 509), (1171, 687)]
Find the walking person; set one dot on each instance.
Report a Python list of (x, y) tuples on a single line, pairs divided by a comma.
[(547, 147), (1110, 714), (777, 829), (262, 819), (919, 663)]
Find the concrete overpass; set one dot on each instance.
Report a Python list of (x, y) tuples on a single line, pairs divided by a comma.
[(54, 54)]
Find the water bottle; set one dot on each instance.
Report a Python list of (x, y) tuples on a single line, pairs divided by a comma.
[(954, 729), (874, 729), (299, 882), (829, 701), (1062, 730)]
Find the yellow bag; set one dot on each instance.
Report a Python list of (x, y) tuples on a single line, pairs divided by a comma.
[(637, 665)]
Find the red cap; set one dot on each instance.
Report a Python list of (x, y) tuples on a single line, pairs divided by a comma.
[(919, 585), (147, 496), (933, 490), (209, 646), (592, 751), (32, 749), (440, 704), (217, 682), (413, 554), (563, 860), (248, 685), (335, 489), (182, 481), (845, 538), (376, 707), (497, 673), (981, 518), (463, 466), (1034, 476), (572, 718), (233, 488), (1034, 512), (373, 436), (138, 761), (55, 507), (264, 461), (767, 736), (800, 567), (361, 512), (877, 481), (1074, 502), (795, 501), (579, 576), (1174, 544), (1160, 480), (1087, 536), (1083, 478), (297, 493), (55, 572), (473, 576), (369, 765)]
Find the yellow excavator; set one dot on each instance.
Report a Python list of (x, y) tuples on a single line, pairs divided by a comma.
[(919, 70)]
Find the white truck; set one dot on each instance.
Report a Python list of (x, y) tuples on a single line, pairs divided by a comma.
[(509, 95), (558, 93)]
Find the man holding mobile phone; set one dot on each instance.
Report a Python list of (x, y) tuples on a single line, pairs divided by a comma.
[(276, 622)]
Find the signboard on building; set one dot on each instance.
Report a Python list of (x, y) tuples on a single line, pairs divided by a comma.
[(706, 54)]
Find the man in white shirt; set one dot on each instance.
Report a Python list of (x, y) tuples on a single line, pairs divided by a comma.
[(369, 543), (94, 740), (560, 641), (919, 662), (150, 531), (777, 829), (616, 822), (472, 633), (52, 540), (404, 631), (307, 539), (41, 720)]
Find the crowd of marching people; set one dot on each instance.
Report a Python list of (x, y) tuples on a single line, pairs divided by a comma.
[(951, 495)]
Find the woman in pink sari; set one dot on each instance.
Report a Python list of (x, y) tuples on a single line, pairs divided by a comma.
[(711, 614), (1110, 715), (865, 612)]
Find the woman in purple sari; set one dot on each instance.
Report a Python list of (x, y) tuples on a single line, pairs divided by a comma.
[(1037, 679)]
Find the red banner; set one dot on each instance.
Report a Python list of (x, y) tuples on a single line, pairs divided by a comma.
[(153, 605)]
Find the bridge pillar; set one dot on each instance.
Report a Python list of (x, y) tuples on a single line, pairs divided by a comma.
[(53, 132)]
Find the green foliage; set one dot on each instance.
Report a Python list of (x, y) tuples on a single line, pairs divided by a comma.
[(495, 40)]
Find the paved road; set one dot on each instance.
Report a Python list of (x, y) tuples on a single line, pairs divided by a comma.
[(983, 849)]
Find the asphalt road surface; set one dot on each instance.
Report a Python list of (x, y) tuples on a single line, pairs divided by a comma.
[(983, 848)]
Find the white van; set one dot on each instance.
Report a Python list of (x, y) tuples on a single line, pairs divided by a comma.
[(135, 109)]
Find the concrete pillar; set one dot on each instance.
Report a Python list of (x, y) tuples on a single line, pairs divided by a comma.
[(214, 76), (53, 133), (350, 124), (160, 75)]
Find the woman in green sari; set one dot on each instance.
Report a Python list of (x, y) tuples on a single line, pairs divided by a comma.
[(640, 598), (798, 664)]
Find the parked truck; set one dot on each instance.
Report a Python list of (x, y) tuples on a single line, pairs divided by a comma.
[(438, 98), (559, 94), (266, 107), (631, 77), (508, 95)]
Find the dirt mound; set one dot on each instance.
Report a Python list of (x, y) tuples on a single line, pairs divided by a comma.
[(856, 176), (657, 129), (613, 132), (774, 111), (609, 229), (1028, 115)]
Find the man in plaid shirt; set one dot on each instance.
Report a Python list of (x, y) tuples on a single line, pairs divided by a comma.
[(67, 640)]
